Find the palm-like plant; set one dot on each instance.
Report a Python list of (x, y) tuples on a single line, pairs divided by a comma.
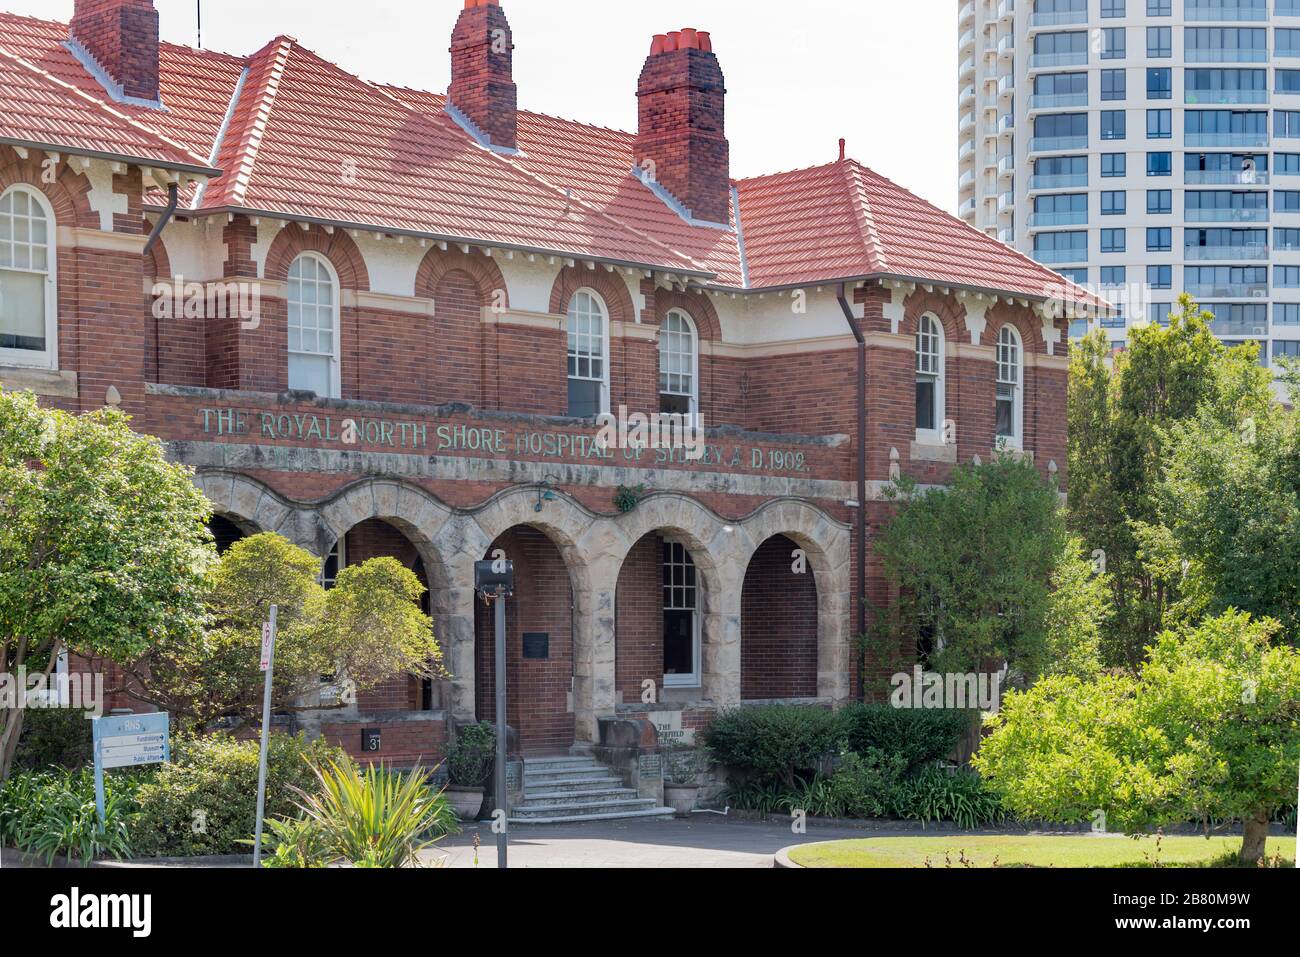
[(376, 817)]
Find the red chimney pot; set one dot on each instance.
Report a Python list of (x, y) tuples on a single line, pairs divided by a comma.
[(681, 123)]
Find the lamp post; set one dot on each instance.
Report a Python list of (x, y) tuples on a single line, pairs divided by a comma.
[(495, 581)]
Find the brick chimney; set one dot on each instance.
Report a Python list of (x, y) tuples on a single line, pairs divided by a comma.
[(122, 36), (681, 135), (482, 82)]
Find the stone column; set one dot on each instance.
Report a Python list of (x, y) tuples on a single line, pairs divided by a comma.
[(720, 637), (456, 616), (593, 650)]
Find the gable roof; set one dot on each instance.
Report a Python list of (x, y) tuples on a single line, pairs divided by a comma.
[(292, 135)]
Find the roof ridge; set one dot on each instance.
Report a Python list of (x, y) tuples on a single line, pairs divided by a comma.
[(866, 219), (399, 87), (260, 104), (105, 107)]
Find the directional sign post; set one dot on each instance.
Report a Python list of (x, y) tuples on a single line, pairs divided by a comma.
[(128, 741), (268, 665)]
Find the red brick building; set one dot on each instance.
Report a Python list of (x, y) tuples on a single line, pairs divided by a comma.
[(381, 322)]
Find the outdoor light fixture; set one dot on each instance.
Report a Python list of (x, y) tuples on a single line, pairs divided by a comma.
[(545, 492)]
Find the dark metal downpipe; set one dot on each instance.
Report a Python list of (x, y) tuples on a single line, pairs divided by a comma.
[(856, 326), (173, 190)]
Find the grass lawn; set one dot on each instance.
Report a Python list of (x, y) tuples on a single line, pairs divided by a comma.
[(1074, 850)]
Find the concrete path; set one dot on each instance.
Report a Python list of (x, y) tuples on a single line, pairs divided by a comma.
[(702, 841)]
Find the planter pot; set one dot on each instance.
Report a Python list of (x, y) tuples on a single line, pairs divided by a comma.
[(681, 798), (466, 802)]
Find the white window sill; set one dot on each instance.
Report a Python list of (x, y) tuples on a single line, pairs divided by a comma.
[(46, 382)]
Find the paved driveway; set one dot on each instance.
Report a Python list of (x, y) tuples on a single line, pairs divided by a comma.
[(702, 841)]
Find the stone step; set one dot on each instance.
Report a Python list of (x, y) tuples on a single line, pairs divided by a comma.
[(530, 811), (563, 777), (573, 761), (584, 818), (602, 795), (594, 784)]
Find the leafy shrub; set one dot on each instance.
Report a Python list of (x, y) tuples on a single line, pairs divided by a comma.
[(58, 737), (756, 796), (470, 759), (774, 743), (52, 813), (294, 843), (920, 735), (937, 794), (866, 785), (817, 798), (372, 818), (205, 801)]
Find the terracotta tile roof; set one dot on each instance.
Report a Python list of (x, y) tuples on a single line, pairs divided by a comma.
[(306, 139), (42, 108), (844, 220)]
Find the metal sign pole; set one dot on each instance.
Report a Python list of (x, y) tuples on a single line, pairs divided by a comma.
[(268, 665), (503, 796)]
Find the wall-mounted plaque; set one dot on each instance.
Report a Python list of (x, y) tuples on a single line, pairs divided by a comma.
[(537, 646)]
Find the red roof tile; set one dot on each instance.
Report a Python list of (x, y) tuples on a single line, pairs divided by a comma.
[(306, 139)]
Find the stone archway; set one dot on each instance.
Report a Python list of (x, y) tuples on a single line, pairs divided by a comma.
[(710, 541), (584, 544), (251, 506), (827, 547)]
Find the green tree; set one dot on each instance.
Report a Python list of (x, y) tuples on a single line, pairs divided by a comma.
[(1079, 611), (1230, 498), (367, 629), (1208, 730), (103, 544), (1120, 410), (972, 563)]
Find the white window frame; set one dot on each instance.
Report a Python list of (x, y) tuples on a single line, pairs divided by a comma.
[(695, 679), (694, 394), (335, 373), (933, 436), (1015, 441), (570, 317), (48, 358)]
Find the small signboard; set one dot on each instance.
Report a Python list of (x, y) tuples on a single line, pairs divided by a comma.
[(128, 741), (537, 646), (266, 646)]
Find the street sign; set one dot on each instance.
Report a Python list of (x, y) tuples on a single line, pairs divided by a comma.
[(267, 639), (128, 741)]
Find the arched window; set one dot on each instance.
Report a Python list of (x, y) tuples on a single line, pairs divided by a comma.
[(28, 286), (678, 365), (313, 326), (929, 380), (588, 355), (1010, 400)]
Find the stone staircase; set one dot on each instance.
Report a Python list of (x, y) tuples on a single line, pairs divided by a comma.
[(568, 790)]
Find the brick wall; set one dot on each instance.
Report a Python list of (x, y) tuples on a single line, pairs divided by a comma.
[(639, 619), (778, 626)]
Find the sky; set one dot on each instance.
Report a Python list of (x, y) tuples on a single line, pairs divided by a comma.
[(800, 74)]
